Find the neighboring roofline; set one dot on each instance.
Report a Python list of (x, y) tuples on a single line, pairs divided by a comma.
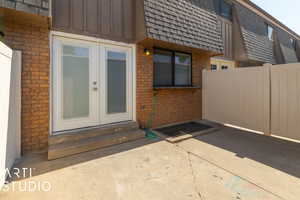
[(268, 17)]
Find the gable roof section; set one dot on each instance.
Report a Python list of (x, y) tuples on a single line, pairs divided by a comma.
[(258, 46), (286, 45), (182, 23), (269, 17)]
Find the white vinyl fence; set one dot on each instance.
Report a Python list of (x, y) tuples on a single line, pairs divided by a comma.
[(285, 102), (264, 99), (10, 101)]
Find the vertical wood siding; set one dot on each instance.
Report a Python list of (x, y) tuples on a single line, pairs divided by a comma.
[(226, 31), (107, 19), (298, 50)]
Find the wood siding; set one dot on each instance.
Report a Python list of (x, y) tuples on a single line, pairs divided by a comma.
[(239, 49), (226, 32), (107, 19), (298, 50), (277, 50)]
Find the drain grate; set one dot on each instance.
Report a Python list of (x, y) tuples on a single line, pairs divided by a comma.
[(181, 129)]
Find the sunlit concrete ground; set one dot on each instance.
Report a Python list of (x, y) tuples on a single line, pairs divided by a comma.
[(227, 164)]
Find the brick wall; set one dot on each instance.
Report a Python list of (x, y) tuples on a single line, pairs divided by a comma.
[(155, 108), (32, 38)]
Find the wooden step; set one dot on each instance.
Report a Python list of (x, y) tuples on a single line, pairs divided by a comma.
[(92, 143), (77, 135)]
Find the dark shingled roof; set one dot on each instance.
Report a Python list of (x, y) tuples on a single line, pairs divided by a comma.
[(271, 17), (286, 45), (258, 46), (181, 22)]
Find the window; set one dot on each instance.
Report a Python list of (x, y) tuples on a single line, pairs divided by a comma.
[(182, 69), (213, 67), (75, 75), (293, 42), (225, 10), (172, 68), (224, 67), (270, 32), (163, 69)]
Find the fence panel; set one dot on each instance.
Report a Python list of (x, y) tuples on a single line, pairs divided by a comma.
[(10, 101), (5, 67), (14, 122), (239, 97), (285, 101)]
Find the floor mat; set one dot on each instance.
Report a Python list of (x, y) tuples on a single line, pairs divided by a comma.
[(181, 129)]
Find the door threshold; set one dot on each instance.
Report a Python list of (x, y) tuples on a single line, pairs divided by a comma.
[(75, 131)]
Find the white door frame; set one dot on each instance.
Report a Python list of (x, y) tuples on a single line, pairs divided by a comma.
[(103, 44)]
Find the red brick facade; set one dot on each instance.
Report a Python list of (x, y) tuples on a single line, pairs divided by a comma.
[(155, 108), (31, 36)]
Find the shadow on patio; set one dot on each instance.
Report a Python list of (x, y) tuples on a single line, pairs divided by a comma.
[(40, 164), (279, 154)]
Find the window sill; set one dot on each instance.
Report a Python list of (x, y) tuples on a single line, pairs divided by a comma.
[(176, 88)]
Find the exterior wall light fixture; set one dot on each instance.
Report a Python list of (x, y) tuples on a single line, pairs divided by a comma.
[(147, 52)]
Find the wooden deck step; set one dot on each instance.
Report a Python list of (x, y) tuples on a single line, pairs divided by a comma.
[(64, 149), (78, 135)]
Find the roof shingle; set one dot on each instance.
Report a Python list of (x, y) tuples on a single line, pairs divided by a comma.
[(258, 46), (180, 22)]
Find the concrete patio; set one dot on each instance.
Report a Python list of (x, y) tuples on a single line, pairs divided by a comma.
[(226, 164)]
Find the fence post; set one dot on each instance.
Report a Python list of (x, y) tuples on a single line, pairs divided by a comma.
[(15, 107), (203, 87), (268, 67)]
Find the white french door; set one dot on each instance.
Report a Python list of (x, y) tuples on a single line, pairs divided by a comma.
[(92, 84), (116, 76)]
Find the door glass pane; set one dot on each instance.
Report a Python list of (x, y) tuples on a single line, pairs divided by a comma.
[(182, 69), (116, 86), (75, 64), (163, 70), (270, 32)]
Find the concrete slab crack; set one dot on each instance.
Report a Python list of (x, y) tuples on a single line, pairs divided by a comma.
[(200, 196), (220, 167), (194, 176)]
